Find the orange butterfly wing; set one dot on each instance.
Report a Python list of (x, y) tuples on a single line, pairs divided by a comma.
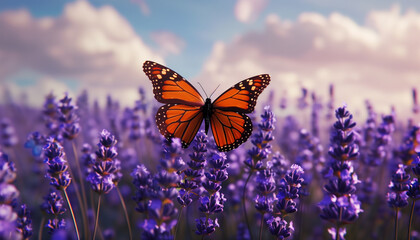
[(170, 87), (242, 97), (230, 129), (230, 125), (182, 115), (180, 121)]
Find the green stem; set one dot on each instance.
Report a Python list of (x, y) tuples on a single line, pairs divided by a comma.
[(41, 228), (396, 224), (82, 185), (72, 214), (244, 204), (411, 219), (97, 217), (77, 190), (337, 228), (261, 226), (125, 212), (179, 219)]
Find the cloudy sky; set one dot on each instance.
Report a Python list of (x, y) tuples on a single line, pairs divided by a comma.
[(367, 49)]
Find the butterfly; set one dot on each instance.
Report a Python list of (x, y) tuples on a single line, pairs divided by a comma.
[(185, 109)]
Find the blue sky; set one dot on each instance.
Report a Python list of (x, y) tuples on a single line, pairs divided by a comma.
[(217, 41)]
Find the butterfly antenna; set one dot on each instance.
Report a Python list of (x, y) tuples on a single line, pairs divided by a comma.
[(203, 89), (215, 90)]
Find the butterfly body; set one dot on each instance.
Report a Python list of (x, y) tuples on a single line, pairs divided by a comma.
[(207, 111), (185, 109)]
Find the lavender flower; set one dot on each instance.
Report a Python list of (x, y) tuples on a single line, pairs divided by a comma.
[(50, 106), (57, 165), (191, 177), (285, 202), (242, 232), (8, 223), (51, 115), (7, 169), (24, 222), (397, 197), (303, 101), (414, 189), (407, 151), (106, 168), (8, 192), (399, 185), (279, 227), (261, 141), (54, 205), (255, 157), (340, 205), (310, 156), (279, 165), (8, 199), (330, 104), (35, 141), (143, 182), (69, 120), (283, 101), (155, 195), (377, 152), (212, 202), (88, 158), (8, 137), (289, 190), (265, 186), (289, 137), (416, 106), (171, 160), (135, 128), (157, 203), (316, 108), (206, 226)]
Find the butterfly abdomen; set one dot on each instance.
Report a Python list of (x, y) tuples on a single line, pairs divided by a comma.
[(207, 111)]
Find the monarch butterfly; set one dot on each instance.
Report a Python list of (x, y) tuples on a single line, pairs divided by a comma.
[(185, 109)]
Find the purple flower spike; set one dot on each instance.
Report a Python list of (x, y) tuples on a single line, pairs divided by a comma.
[(57, 166), (279, 227), (206, 226), (24, 222), (340, 204), (53, 205), (105, 173), (400, 184), (261, 141)]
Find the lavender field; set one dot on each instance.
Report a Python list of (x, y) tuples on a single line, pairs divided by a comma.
[(75, 170)]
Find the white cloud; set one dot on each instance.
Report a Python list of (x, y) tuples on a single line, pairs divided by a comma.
[(379, 60), (249, 10), (95, 46), (168, 43)]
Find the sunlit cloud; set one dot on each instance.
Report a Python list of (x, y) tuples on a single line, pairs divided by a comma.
[(249, 10), (378, 60), (95, 46)]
